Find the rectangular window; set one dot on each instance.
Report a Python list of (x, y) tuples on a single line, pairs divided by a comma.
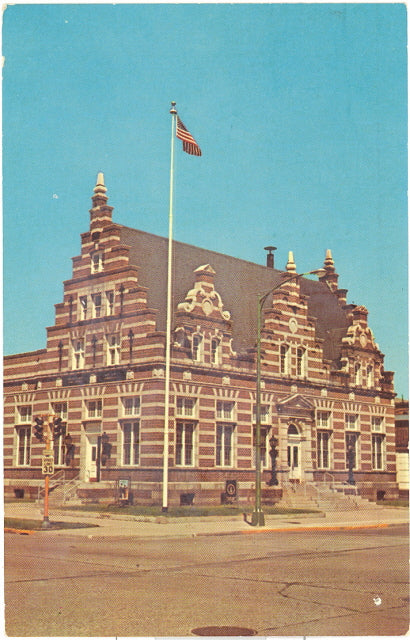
[(378, 451), (264, 414), (186, 407), (378, 424), (225, 410), (215, 351), (83, 307), (197, 348), (60, 410), (109, 296), (351, 421), (94, 408), (323, 419), (23, 435), (113, 350), (184, 446), (224, 445), (131, 406), (130, 443), (352, 441), (323, 449), (97, 262), (301, 361), (96, 298), (78, 354), (284, 359), (24, 413)]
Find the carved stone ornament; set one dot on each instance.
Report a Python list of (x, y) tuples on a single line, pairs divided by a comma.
[(203, 297)]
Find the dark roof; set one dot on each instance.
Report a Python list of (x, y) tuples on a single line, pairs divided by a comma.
[(237, 281)]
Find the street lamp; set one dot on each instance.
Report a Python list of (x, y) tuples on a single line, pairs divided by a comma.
[(258, 518)]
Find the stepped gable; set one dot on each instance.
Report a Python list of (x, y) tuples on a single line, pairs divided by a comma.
[(237, 281)]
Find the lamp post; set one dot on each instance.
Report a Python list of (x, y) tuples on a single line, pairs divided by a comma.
[(258, 517)]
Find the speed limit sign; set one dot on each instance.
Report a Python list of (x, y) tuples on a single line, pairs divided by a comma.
[(47, 463)]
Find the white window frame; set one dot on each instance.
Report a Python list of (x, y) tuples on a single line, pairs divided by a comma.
[(284, 359), (301, 362), (109, 303), (97, 262), (185, 443), (265, 413), (78, 360), (323, 448), (83, 304), (131, 449), (225, 444), (97, 305), (378, 451), (357, 373), (131, 406), (370, 376), (225, 410), (94, 409), (215, 351), (25, 414), (378, 424), (113, 349), (60, 409), (351, 422), (197, 347), (23, 446), (323, 419), (186, 407)]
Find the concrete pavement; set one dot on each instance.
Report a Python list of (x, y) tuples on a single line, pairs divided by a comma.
[(119, 525)]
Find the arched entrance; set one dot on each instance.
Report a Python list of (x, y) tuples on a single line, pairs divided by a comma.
[(294, 453)]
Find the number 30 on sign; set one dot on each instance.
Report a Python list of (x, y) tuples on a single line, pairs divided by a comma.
[(48, 465)]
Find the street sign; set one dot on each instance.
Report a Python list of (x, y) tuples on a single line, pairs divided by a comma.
[(47, 463)]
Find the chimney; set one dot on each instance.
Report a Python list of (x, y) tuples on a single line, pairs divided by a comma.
[(270, 258)]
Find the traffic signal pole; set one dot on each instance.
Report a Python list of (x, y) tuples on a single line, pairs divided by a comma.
[(48, 439)]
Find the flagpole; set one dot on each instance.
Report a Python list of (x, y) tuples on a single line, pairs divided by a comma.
[(173, 112)]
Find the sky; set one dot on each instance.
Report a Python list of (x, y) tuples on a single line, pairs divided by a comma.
[(301, 114)]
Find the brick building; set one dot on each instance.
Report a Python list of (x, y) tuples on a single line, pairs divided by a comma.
[(323, 382)]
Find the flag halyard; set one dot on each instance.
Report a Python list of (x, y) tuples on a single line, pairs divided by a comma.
[(189, 144)]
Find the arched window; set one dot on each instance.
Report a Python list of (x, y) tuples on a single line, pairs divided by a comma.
[(293, 430)]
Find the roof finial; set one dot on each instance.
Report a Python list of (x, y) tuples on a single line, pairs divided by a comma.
[(100, 185), (329, 262), (291, 266)]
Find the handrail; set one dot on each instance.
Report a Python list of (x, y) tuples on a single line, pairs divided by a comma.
[(332, 479)]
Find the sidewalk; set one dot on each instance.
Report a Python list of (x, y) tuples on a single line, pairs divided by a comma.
[(118, 525)]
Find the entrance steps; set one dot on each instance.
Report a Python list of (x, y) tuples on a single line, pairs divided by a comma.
[(61, 490), (325, 497)]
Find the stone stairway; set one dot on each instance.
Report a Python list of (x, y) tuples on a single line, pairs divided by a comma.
[(62, 491), (335, 497)]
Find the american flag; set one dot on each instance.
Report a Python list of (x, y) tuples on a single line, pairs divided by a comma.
[(189, 145)]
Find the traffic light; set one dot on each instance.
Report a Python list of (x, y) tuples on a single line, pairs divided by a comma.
[(58, 428), (38, 429)]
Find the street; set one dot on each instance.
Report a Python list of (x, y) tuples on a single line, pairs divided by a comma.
[(290, 583)]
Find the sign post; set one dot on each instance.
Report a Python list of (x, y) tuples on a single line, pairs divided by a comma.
[(47, 466)]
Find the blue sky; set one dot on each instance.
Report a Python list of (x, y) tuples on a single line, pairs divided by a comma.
[(300, 111)]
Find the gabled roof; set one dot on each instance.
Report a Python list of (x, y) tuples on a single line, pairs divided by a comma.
[(237, 281)]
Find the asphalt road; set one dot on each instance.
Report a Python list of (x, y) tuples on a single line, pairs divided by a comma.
[(276, 584)]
